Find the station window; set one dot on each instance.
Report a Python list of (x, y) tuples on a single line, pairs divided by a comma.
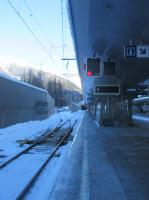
[(41, 107)]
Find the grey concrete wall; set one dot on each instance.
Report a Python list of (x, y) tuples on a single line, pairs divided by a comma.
[(21, 102)]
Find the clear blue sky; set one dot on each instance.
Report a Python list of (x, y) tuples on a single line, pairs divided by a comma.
[(16, 41)]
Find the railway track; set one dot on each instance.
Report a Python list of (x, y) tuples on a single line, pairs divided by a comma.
[(27, 185), (39, 140)]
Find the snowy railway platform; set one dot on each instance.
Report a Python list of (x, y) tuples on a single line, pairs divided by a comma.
[(97, 163), (105, 164)]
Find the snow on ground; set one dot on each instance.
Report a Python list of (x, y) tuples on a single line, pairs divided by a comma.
[(15, 176), (27, 130), (51, 173)]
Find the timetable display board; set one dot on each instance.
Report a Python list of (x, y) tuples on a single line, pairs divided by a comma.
[(107, 90)]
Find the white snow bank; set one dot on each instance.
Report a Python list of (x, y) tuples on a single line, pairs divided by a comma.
[(28, 130)]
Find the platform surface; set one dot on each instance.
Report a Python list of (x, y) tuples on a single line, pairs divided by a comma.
[(105, 164)]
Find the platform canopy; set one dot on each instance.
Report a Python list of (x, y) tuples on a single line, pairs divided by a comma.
[(102, 28)]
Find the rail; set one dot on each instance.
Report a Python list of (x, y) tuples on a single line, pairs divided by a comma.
[(32, 145), (33, 179)]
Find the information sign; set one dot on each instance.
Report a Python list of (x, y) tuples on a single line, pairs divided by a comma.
[(107, 89), (142, 51)]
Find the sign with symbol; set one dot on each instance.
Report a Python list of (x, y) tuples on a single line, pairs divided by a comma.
[(142, 51), (139, 51), (130, 51)]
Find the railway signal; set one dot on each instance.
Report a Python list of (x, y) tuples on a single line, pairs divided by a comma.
[(93, 67)]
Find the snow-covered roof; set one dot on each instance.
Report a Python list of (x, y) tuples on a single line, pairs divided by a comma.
[(142, 99), (5, 76)]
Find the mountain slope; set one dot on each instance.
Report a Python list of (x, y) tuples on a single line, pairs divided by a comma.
[(20, 71)]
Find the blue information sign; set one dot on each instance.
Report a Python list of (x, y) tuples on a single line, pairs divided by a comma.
[(130, 51)]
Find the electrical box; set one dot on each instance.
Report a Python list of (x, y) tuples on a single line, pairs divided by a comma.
[(109, 68)]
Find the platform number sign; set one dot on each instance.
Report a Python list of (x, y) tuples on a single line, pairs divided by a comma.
[(130, 51), (138, 51)]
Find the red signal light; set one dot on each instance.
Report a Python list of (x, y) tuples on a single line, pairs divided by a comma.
[(89, 73), (93, 67)]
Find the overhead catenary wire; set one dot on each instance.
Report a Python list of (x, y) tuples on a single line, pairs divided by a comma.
[(62, 15), (64, 37), (37, 22), (40, 26), (63, 40), (19, 5), (33, 34)]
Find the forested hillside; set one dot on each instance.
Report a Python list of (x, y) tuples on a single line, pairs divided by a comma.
[(62, 90)]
